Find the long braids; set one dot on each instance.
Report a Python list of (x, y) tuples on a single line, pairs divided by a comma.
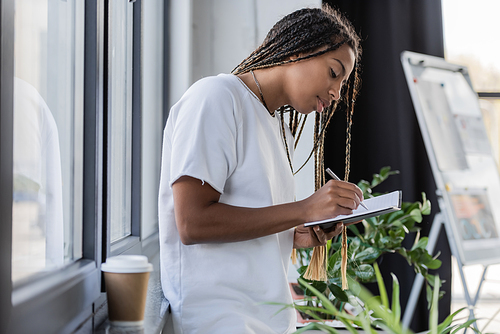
[(306, 31)]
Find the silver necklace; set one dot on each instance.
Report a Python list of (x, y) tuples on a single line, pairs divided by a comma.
[(261, 95), (272, 114)]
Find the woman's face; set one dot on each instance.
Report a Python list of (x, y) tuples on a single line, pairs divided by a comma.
[(313, 84)]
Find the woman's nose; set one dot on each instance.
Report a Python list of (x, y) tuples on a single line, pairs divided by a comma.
[(335, 92)]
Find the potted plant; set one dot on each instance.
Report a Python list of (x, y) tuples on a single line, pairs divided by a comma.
[(375, 312), (382, 234)]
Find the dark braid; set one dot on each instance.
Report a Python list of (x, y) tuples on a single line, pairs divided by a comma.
[(306, 31)]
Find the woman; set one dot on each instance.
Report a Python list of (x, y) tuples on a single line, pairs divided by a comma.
[(228, 219)]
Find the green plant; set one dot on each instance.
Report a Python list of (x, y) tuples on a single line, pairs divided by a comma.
[(382, 234), (375, 312)]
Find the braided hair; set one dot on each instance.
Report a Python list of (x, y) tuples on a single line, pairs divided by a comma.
[(313, 32), (306, 31)]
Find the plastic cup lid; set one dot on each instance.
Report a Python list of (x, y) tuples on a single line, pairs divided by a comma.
[(127, 264)]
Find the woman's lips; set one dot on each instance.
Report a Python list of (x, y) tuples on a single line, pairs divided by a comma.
[(322, 104)]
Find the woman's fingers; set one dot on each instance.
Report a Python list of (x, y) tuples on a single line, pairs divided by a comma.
[(323, 236), (333, 199), (307, 237), (348, 191), (319, 235)]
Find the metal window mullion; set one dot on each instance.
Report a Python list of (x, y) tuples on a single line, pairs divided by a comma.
[(136, 119), (93, 206), (106, 109), (489, 95), (166, 63), (6, 154)]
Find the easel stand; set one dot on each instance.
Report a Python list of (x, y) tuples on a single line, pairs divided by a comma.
[(440, 220)]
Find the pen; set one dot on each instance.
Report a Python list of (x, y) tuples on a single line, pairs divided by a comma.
[(332, 174)]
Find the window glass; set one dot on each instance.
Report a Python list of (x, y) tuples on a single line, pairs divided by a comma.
[(48, 135), (471, 39), (120, 118), (152, 112)]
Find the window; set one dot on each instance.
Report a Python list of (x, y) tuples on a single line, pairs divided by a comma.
[(120, 118), (48, 136), (153, 103), (77, 175), (471, 39), (474, 45)]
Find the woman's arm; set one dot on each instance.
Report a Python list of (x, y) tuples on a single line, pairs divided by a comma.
[(200, 218)]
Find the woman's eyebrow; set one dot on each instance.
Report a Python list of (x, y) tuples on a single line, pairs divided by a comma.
[(341, 64)]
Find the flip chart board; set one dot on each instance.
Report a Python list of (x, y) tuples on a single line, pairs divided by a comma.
[(455, 137)]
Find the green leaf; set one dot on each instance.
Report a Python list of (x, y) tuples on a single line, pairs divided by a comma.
[(324, 301), (372, 222), (317, 285), (369, 255), (405, 228), (364, 272), (408, 206), (338, 292), (364, 186), (396, 225), (354, 245), (396, 307), (467, 324), (354, 230), (433, 316), (301, 270), (354, 286), (448, 320), (335, 246), (428, 293), (416, 215), (426, 205), (381, 287), (398, 234), (384, 242), (434, 264), (386, 171), (422, 243), (333, 260), (403, 253), (389, 217)]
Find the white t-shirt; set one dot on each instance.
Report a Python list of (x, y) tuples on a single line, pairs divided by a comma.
[(220, 133)]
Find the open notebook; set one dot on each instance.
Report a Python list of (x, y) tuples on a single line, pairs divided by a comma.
[(376, 206)]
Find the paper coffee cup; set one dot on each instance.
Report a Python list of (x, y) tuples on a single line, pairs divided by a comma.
[(126, 278)]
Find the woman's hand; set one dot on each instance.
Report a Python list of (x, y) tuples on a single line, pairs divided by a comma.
[(312, 236), (333, 199)]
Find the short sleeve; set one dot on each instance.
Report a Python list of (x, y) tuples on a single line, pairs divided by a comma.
[(204, 134)]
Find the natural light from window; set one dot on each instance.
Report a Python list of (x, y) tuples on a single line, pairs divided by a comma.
[(471, 30), (471, 38)]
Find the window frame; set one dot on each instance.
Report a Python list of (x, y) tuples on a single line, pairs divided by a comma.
[(65, 296), (6, 153), (489, 95)]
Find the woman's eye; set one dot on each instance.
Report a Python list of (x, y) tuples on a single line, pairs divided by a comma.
[(333, 73)]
